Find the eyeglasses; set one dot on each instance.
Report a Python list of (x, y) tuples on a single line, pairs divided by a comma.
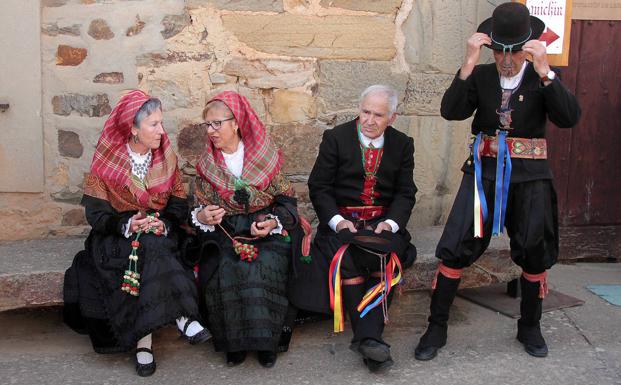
[(215, 124)]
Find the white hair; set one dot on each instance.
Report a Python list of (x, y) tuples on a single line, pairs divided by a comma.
[(391, 95)]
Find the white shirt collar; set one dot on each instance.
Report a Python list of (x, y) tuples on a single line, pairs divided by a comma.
[(235, 161), (512, 82), (377, 142), (138, 157)]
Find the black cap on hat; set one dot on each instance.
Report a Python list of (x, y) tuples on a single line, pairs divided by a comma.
[(510, 26)]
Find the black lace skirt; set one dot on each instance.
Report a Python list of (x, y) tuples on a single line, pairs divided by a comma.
[(115, 320)]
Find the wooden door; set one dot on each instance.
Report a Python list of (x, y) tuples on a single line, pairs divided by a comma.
[(586, 160)]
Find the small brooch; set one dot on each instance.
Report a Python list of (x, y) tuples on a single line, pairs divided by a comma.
[(521, 98)]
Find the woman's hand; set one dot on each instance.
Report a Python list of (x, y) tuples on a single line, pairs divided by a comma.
[(211, 215), (137, 222), (142, 222), (262, 229), (473, 52)]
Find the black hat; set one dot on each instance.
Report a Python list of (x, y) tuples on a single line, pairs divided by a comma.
[(384, 242), (510, 26)]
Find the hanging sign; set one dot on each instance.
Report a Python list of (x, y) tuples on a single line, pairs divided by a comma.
[(556, 14)]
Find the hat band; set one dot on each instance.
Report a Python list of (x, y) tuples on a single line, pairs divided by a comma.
[(509, 47)]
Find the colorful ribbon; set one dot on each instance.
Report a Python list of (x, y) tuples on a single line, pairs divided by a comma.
[(374, 297), (336, 298), (503, 178), (380, 291), (480, 204), (502, 181)]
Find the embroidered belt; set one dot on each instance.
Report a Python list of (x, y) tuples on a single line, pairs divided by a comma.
[(526, 148), (363, 213)]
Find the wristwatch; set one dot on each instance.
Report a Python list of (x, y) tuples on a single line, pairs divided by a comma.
[(551, 75)]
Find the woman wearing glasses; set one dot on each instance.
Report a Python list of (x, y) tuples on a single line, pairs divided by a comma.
[(246, 217)]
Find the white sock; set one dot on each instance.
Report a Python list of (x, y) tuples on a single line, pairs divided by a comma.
[(193, 328), (144, 357)]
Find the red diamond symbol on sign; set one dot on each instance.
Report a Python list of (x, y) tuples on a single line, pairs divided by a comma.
[(548, 36)]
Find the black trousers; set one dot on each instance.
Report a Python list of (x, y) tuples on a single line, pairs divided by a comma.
[(531, 223), (358, 263)]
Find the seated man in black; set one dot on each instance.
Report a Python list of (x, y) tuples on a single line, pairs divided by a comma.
[(362, 182)]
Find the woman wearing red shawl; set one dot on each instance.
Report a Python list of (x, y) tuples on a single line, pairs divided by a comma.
[(242, 198), (129, 281)]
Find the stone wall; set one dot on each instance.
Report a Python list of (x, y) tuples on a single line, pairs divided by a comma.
[(301, 63)]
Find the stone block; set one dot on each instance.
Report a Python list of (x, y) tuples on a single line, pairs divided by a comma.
[(436, 32), (89, 105), (70, 56), (328, 37), (424, 93), (174, 24), (239, 5), (52, 29), (100, 30), (341, 82), (68, 195), (270, 73), (74, 217), (136, 28), (299, 144), (69, 144), (440, 148), (160, 59), (190, 142), (53, 3), (292, 106), (109, 78), (380, 6)]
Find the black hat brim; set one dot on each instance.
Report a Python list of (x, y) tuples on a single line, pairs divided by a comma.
[(384, 242), (536, 25)]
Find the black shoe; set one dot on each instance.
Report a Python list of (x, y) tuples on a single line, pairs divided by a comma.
[(376, 366), (285, 339), (200, 337), (425, 353), (375, 350), (535, 350), (235, 358), (145, 370), (533, 341), (430, 342), (267, 358)]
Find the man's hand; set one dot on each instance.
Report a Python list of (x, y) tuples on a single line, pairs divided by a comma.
[(383, 226), (537, 50), (473, 52), (345, 224)]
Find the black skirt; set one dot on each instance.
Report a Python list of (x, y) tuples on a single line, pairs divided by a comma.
[(115, 320)]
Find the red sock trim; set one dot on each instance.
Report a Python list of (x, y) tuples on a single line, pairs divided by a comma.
[(447, 272), (542, 278)]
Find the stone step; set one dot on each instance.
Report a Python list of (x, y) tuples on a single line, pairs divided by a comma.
[(32, 272)]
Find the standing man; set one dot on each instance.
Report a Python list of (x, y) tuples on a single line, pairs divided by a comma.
[(507, 179), (361, 183)]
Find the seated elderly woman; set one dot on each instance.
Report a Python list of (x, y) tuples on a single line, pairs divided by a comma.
[(247, 221), (129, 281)]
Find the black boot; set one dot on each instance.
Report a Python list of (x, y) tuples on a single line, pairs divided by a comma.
[(529, 332), (441, 301), (352, 295)]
